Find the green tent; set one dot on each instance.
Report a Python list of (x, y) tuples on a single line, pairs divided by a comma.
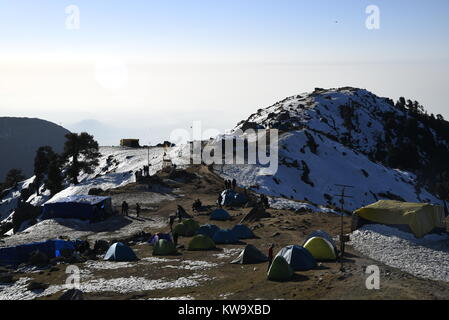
[(187, 228), (201, 242), (280, 270), (163, 248)]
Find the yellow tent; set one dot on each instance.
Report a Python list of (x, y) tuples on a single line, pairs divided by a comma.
[(321, 249), (422, 218)]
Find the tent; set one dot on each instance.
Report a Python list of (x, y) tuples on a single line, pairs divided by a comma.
[(120, 252), (243, 232), (250, 255), (255, 214), (187, 228), (322, 234), (14, 256), (201, 242), (163, 247), (233, 198), (419, 218), (280, 270), (158, 236), (82, 207), (208, 230), (220, 215), (299, 258), (226, 236), (321, 249)]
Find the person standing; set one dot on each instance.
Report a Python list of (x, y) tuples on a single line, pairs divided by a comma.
[(171, 221), (270, 256), (234, 184), (219, 200), (138, 209)]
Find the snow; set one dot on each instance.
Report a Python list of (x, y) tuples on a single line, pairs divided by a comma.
[(426, 258), (114, 227)]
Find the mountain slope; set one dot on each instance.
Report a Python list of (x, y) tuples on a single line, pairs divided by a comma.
[(347, 136), (21, 137)]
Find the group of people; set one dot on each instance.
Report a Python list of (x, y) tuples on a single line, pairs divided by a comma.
[(231, 184), (144, 172), (125, 209)]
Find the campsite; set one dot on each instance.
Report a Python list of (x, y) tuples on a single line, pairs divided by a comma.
[(140, 262)]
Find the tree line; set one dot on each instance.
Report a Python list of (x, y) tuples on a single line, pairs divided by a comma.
[(51, 170)]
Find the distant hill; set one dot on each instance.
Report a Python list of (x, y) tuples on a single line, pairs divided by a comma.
[(21, 137)]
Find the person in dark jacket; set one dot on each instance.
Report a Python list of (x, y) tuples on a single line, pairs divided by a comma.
[(234, 184), (138, 209)]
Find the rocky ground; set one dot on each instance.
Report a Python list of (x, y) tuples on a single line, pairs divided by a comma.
[(209, 275)]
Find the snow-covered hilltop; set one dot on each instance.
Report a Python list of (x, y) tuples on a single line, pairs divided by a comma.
[(335, 136)]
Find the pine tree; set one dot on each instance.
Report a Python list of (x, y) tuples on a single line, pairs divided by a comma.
[(41, 162), (81, 154), (54, 175)]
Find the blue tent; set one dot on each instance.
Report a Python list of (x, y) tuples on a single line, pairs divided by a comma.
[(220, 214), (208, 230), (233, 198), (225, 237), (21, 254), (299, 258), (159, 236), (78, 207), (243, 232), (120, 252)]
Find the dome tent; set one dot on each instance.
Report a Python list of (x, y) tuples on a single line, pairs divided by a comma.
[(220, 215), (280, 270), (321, 249), (322, 234), (163, 247), (299, 258), (187, 228), (225, 237), (208, 230), (120, 252), (250, 255), (201, 242), (243, 232), (233, 198)]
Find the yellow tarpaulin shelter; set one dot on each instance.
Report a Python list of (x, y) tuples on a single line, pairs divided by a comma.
[(422, 218)]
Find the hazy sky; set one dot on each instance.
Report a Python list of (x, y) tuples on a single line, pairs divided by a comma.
[(144, 68)]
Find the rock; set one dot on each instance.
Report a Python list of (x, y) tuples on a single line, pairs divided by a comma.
[(72, 294), (35, 285), (276, 234)]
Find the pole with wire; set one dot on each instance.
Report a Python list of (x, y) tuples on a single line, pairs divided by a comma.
[(342, 196)]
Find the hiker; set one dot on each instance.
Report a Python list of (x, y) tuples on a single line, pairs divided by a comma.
[(179, 212), (137, 210), (124, 208), (270, 256), (175, 239), (219, 200), (264, 201), (234, 184), (171, 221)]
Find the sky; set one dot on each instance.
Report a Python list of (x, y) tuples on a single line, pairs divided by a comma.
[(145, 68)]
